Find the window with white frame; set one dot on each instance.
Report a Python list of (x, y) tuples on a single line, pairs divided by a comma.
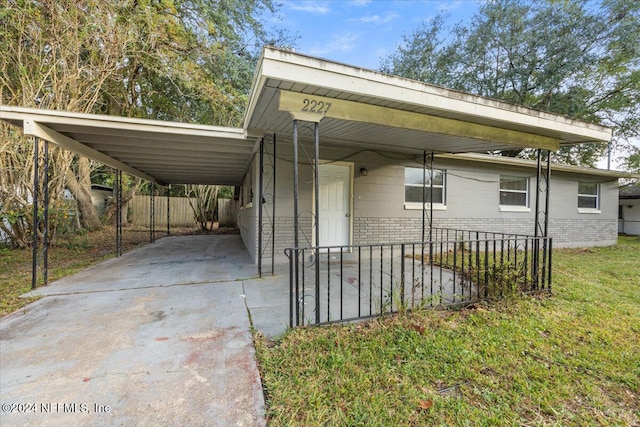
[(514, 191), (415, 179), (588, 196)]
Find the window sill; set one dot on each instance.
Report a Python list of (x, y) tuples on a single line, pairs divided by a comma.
[(589, 211), (418, 206), (515, 209)]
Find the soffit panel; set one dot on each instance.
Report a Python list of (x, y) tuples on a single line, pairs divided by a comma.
[(171, 153), (272, 120)]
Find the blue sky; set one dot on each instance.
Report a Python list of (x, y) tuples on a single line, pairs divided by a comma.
[(360, 32)]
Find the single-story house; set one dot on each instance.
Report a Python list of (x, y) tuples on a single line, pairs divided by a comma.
[(629, 209), (338, 160), (376, 197)]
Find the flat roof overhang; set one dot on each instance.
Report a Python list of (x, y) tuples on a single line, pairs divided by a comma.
[(379, 111), (355, 107), (159, 151)]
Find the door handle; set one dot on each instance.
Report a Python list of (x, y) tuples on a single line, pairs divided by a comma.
[(348, 215)]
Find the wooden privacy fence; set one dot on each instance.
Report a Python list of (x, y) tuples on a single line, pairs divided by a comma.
[(180, 212), (227, 212)]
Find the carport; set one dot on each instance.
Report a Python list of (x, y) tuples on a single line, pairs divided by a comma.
[(340, 106)]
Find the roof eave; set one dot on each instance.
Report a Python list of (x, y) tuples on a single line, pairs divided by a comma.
[(305, 70)]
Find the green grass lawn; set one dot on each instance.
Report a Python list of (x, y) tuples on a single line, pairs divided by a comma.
[(572, 358), (67, 257)]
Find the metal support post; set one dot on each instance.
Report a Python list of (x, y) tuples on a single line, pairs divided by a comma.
[(266, 220), (424, 213), (541, 225), (260, 203), (117, 209), (168, 211), (295, 253), (536, 242), (546, 245), (45, 249), (316, 179), (295, 187), (424, 196), (536, 224), (547, 193), (34, 261), (152, 216), (120, 218), (118, 202), (273, 211), (431, 201)]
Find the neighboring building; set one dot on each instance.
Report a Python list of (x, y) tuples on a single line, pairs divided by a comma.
[(629, 209), (100, 197), (376, 198)]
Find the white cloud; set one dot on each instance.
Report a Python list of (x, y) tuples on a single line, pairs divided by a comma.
[(339, 43), (360, 2), (317, 8), (447, 6), (377, 19)]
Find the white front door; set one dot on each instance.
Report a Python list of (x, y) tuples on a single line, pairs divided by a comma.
[(334, 215)]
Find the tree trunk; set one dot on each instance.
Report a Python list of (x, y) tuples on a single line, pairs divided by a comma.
[(89, 218), (127, 195)]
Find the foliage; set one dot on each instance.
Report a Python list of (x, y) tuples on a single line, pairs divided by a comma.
[(632, 163), (569, 57), (187, 60), (16, 191), (203, 200), (569, 359)]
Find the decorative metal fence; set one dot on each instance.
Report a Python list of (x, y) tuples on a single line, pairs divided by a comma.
[(346, 283)]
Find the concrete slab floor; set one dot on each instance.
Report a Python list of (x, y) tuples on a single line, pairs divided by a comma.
[(146, 339)]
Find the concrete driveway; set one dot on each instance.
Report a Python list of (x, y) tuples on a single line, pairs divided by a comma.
[(160, 336)]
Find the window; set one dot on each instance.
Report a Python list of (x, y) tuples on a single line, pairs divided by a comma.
[(413, 188), (588, 197), (246, 198), (514, 191)]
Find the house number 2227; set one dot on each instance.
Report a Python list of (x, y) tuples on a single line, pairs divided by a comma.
[(315, 107)]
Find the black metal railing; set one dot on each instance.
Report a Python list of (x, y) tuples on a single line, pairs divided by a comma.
[(345, 283)]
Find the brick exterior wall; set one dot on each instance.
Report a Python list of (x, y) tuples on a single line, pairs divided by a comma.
[(369, 230), (284, 236), (392, 230)]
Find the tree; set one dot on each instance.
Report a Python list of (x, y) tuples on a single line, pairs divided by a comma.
[(632, 162), (186, 60), (575, 58), (55, 56), (203, 200)]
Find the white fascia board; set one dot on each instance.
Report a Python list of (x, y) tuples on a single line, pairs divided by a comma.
[(121, 123), (256, 88), (289, 66)]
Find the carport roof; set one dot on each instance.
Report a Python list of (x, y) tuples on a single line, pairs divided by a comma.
[(159, 151), (359, 108)]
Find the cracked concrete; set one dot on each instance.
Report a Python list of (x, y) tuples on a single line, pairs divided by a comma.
[(147, 339)]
